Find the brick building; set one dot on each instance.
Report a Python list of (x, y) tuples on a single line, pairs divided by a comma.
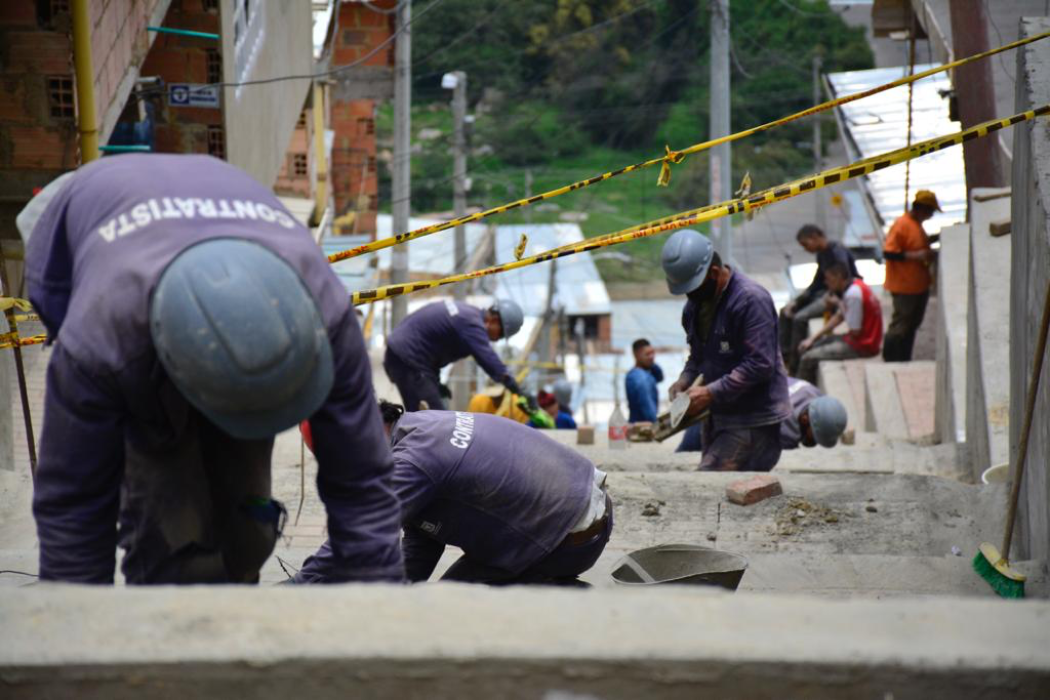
[(359, 28)]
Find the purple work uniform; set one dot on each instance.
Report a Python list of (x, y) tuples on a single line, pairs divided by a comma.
[(194, 503), (434, 336), (522, 507), (801, 393), (740, 361)]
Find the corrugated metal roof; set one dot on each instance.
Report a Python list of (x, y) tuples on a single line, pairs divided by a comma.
[(879, 123)]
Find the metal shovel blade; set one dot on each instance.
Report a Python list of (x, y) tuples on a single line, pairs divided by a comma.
[(678, 408)]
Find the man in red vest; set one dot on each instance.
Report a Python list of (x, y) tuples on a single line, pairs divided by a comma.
[(858, 306)]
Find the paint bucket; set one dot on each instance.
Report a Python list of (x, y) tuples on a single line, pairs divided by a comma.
[(998, 474), (680, 564)]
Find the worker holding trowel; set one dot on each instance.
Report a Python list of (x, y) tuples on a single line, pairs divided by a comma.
[(731, 326), (192, 319), (522, 507), (441, 333)]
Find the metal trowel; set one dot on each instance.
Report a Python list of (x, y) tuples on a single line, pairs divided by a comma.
[(681, 403)]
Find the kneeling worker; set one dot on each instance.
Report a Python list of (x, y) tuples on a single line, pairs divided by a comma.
[(815, 419), (441, 333), (193, 319), (523, 508)]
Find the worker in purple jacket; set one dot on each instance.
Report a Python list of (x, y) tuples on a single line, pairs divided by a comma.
[(731, 326), (522, 507), (192, 319), (442, 333)]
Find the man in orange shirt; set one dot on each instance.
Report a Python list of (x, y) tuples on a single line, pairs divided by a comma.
[(908, 256)]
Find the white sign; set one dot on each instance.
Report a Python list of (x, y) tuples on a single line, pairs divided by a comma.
[(193, 95)]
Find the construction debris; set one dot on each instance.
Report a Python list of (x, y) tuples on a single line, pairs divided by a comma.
[(798, 514)]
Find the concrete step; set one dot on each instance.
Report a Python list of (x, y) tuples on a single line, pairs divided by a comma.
[(397, 642), (900, 399), (844, 379)]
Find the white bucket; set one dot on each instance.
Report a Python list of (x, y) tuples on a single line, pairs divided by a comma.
[(998, 474)]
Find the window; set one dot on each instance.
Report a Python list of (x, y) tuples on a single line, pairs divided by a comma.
[(48, 12), (214, 66), (373, 202), (366, 126), (210, 5), (217, 142), (300, 166), (371, 164), (301, 124), (60, 96)]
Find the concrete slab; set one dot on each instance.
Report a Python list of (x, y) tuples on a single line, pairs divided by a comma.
[(988, 323), (916, 386), (397, 642), (953, 283), (833, 380), (885, 415)]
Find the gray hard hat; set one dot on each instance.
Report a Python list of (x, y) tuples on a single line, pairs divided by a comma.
[(563, 392), (686, 258), (241, 337), (827, 418), (510, 316)]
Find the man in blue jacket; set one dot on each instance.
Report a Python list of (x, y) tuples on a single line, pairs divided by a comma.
[(731, 326), (522, 507), (441, 333), (643, 396), (192, 319)]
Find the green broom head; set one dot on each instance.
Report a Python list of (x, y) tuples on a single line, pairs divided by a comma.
[(990, 565)]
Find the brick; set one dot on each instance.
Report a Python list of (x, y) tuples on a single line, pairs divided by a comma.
[(757, 488), (38, 52), (41, 147), (18, 13), (585, 435)]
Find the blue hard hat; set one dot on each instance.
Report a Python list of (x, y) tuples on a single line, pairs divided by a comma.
[(827, 418), (241, 337), (686, 258)]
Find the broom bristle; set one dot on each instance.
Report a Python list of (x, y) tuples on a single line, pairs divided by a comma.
[(1003, 586)]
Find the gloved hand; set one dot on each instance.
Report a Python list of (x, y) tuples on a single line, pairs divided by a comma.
[(677, 388), (512, 385), (445, 392), (531, 401)]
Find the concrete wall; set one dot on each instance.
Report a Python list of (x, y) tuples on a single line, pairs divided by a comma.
[(953, 284), (275, 41), (459, 641), (1030, 275)]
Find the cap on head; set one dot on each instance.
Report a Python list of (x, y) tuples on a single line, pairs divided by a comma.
[(686, 259), (241, 337), (827, 418), (563, 392), (510, 316), (546, 399), (927, 199)]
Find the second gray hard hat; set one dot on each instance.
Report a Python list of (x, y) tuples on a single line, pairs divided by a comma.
[(510, 315), (563, 392), (827, 418), (686, 258)]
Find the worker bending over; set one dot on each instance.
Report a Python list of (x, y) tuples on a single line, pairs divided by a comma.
[(731, 326), (815, 419), (441, 333), (192, 319), (523, 508), (852, 302)]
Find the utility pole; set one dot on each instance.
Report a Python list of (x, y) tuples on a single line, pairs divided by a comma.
[(818, 155), (457, 81), (720, 158), (402, 180), (975, 90)]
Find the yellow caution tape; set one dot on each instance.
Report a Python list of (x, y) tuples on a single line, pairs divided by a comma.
[(8, 340), (715, 211), (14, 303), (519, 249), (670, 157)]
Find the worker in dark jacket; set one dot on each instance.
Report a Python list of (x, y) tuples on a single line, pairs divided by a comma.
[(192, 319), (522, 507), (796, 314), (441, 333), (731, 327)]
